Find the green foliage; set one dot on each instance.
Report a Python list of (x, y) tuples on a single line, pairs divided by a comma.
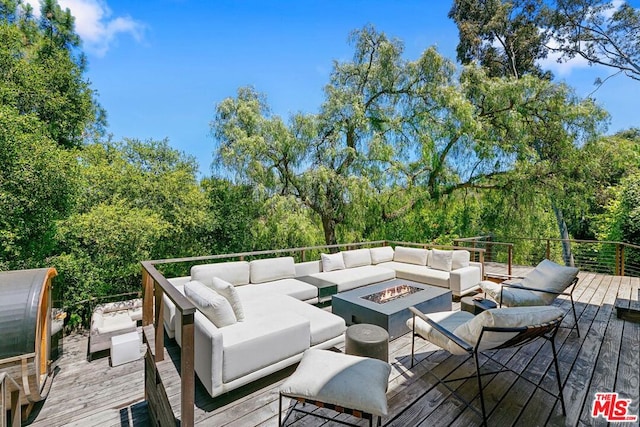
[(37, 187)]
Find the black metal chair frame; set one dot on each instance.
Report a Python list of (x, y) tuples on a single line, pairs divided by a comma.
[(548, 291), (341, 409), (524, 336)]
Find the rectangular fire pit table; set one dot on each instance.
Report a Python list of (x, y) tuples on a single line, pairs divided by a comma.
[(356, 306)]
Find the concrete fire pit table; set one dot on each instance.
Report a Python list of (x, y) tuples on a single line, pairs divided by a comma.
[(361, 305)]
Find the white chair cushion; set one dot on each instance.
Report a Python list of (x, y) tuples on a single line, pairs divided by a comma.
[(356, 258), (214, 306), (331, 262), (549, 275), (268, 270), (227, 290), (236, 273), (441, 260), (460, 259), (350, 381), (381, 254), (511, 317), (450, 320), (512, 297), (411, 255)]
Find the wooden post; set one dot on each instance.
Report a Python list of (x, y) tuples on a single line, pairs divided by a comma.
[(617, 261), (147, 298), (548, 253), (159, 323), (187, 372), (304, 255), (510, 259), (16, 411), (621, 259)]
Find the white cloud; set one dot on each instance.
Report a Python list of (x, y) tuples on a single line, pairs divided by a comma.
[(95, 24), (563, 68)]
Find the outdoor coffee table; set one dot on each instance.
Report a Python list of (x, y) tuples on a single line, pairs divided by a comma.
[(360, 306)]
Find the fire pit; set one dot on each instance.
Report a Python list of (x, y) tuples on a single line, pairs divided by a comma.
[(391, 293), (386, 304)]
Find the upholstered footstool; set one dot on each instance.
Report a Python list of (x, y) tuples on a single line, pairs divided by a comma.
[(344, 383)]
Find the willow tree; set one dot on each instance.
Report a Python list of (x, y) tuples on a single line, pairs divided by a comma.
[(390, 130)]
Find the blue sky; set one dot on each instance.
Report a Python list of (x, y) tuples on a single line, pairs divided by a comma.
[(161, 67)]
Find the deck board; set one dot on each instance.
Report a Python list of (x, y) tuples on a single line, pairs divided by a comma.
[(604, 358)]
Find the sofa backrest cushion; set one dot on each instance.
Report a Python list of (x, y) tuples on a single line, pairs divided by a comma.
[(214, 306), (227, 290), (356, 258), (411, 255), (381, 254), (551, 276), (461, 259), (441, 260), (236, 272), (268, 270), (511, 317), (331, 262)]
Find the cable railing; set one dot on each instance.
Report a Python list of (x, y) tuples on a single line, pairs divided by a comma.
[(606, 257)]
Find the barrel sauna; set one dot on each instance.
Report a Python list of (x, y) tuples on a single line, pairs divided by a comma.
[(28, 329)]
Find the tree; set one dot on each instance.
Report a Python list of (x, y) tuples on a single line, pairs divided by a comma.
[(503, 36), (602, 32)]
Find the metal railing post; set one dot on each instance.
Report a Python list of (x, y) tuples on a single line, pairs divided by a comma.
[(548, 252)]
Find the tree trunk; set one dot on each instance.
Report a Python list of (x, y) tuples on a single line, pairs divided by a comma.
[(329, 227), (567, 256)]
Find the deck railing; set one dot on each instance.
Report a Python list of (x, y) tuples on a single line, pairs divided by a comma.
[(616, 258), (16, 410), (155, 286)]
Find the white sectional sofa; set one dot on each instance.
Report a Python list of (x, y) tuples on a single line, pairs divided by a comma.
[(277, 321)]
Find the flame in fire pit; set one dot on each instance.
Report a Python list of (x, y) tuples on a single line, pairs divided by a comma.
[(391, 293)]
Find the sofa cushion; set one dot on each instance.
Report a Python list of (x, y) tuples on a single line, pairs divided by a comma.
[(419, 273), (351, 278), (460, 259), (381, 254), (356, 258), (332, 262), (213, 305), (323, 324), (411, 255), (268, 270), (227, 290), (295, 288), (236, 272), (262, 341), (441, 260)]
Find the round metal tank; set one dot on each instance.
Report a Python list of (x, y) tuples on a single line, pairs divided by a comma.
[(25, 328)]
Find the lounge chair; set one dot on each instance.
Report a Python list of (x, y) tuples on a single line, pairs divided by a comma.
[(541, 286), (462, 333)]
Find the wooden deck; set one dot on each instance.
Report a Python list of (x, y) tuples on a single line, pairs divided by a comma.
[(605, 358)]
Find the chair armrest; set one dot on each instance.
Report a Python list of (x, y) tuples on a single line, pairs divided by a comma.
[(457, 340)]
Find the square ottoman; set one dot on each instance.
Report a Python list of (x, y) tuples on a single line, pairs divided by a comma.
[(125, 348), (349, 384)]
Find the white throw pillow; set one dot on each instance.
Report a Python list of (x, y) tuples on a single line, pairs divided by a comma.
[(214, 306), (441, 260), (381, 254), (512, 317), (268, 270), (227, 290), (332, 262), (356, 258), (461, 259), (411, 255)]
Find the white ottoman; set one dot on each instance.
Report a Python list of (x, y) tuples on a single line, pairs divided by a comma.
[(125, 348), (353, 385)]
